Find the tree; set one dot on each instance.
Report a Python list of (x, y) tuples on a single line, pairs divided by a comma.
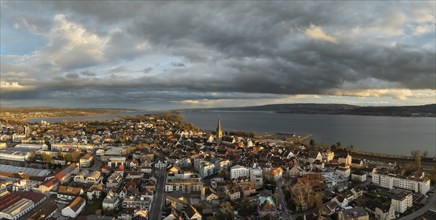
[(416, 154), (312, 142), (318, 198), (226, 208), (247, 208), (425, 153), (46, 158)]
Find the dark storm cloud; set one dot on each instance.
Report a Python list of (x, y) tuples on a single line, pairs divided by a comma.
[(148, 69), (72, 75), (178, 64), (238, 50), (87, 73)]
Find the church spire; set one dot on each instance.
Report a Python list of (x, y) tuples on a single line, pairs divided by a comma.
[(219, 132)]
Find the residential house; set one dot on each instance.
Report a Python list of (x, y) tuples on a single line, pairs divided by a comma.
[(357, 213), (382, 210), (247, 189), (111, 201), (232, 192), (343, 172), (210, 195), (81, 176), (313, 156), (239, 171), (66, 174), (356, 163), (68, 192), (295, 171), (86, 160), (191, 213), (256, 177), (266, 207), (94, 192), (94, 177), (49, 185), (401, 200), (114, 180), (137, 201), (340, 200), (277, 173), (161, 164), (206, 169), (358, 176), (73, 209)]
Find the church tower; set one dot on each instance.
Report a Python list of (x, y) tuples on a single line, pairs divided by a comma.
[(219, 132)]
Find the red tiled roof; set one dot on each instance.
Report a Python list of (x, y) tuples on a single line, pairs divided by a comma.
[(50, 182), (76, 203), (34, 196), (8, 200)]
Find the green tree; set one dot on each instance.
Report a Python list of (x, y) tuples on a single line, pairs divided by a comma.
[(312, 142), (46, 157)]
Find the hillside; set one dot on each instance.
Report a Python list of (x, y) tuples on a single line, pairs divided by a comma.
[(302, 108)]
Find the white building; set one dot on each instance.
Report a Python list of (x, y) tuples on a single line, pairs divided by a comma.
[(160, 164), (239, 171), (116, 161), (81, 176), (360, 177), (421, 185), (114, 180), (110, 202), (182, 181), (256, 177), (402, 201), (19, 154), (86, 160), (206, 169), (343, 171), (74, 208), (222, 164)]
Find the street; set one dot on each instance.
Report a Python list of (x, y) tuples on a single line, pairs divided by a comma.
[(158, 198), (285, 213)]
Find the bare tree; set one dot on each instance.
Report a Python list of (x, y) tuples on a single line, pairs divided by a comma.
[(425, 153), (416, 154)]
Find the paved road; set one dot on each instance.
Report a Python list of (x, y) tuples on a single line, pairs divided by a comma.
[(158, 198), (430, 203), (285, 214)]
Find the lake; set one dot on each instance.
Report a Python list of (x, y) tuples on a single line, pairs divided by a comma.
[(394, 135)]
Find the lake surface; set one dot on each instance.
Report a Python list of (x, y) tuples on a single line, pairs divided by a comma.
[(394, 135)]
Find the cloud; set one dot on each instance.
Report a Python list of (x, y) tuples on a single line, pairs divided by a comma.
[(422, 29), (400, 94), (148, 69), (87, 73), (71, 45), (72, 75), (13, 86), (316, 33), (178, 64), (132, 52)]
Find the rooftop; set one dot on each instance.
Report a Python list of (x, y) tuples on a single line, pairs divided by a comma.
[(25, 170)]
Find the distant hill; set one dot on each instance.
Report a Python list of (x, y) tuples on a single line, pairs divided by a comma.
[(403, 111)]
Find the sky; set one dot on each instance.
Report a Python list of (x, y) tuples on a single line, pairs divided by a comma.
[(174, 54)]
